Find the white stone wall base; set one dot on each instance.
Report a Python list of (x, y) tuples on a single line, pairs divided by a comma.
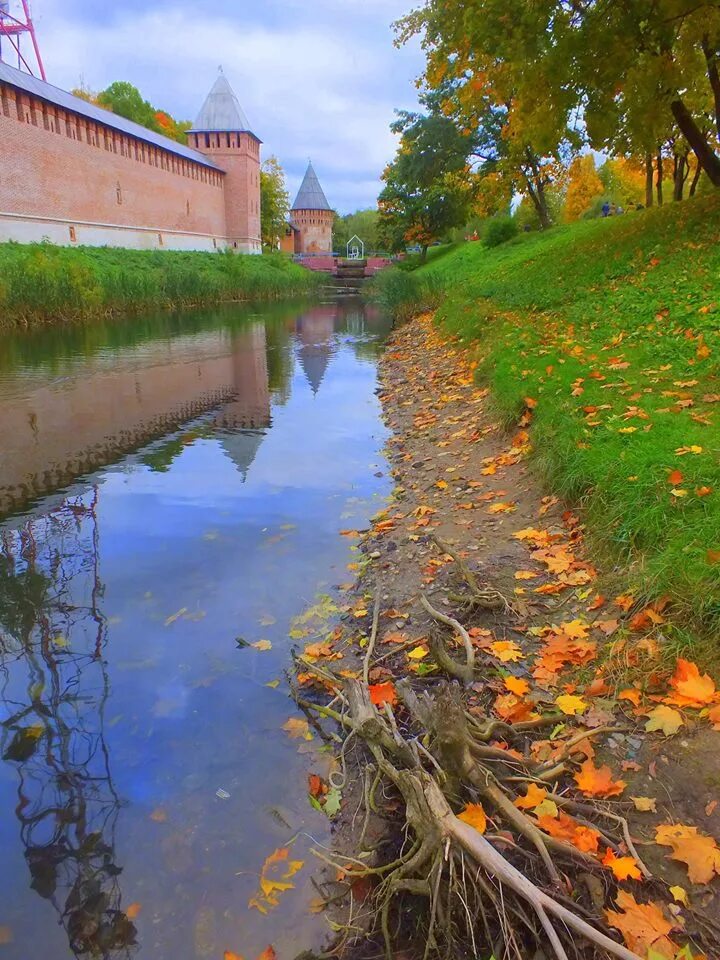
[(48, 230)]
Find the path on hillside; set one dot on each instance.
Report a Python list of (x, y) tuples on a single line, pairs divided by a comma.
[(562, 648)]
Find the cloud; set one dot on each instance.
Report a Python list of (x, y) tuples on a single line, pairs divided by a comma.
[(317, 80)]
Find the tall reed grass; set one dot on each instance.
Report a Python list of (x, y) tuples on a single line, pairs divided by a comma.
[(41, 283)]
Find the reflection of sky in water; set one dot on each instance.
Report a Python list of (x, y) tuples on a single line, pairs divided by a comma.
[(229, 550)]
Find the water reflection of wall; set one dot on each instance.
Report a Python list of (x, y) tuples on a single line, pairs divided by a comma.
[(52, 732), (62, 428)]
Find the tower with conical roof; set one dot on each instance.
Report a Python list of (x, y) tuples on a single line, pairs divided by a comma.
[(312, 215), (222, 132)]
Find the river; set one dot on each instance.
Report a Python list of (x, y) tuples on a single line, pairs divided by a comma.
[(172, 492)]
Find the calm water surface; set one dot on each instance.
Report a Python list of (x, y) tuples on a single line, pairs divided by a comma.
[(172, 489)]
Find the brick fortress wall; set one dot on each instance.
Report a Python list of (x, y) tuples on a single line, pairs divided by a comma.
[(69, 179)]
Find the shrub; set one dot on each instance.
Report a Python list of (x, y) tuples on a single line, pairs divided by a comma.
[(500, 230)]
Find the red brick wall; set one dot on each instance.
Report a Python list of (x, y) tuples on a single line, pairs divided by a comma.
[(239, 155), (59, 165), (315, 230)]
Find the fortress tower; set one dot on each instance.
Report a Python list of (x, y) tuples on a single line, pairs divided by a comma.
[(222, 132), (312, 215)]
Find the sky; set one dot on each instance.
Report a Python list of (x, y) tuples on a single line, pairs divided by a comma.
[(318, 79)]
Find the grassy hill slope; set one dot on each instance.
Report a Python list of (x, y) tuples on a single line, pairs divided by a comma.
[(611, 328)]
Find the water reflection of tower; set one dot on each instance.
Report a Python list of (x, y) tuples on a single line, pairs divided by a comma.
[(246, 418), (315, 330), (53, 691)]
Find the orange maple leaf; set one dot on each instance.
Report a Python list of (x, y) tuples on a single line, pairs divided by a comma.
[(691, 688), (624, 868), (564, 827), (475, 816), (597, 781), (643, 926), (381, 693), (691, 847), (534, 796)]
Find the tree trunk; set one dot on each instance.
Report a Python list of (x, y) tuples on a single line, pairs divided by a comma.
[(711, 58), (536, 189), (423, 253), (648, 180), (679, 177), (659, 180), (696, 179), (708, 159)]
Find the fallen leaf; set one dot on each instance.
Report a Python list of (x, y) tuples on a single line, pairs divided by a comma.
[(643, 926), (419, 653), (675, 478), (665, 719), (571, 705), (533, 798), (133, 911), (6, 935), (507, 651), (624, 868), (297, 728), (262, 645), (517, 686), (691, 688), (381, 693), (474, 815), (680, 895), (597, 781), (645, 804), (563, 827), (159, 815), (689, 846)]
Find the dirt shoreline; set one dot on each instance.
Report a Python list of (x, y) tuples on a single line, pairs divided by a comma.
[(461, 478)]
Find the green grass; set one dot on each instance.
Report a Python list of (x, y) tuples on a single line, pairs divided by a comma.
[(614, 314), (42, 283)]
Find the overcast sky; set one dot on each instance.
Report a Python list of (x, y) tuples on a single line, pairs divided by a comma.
[(317, 78)]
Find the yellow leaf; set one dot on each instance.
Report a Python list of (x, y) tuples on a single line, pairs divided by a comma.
[(665, 719), (506, 650), (680, 895), (571, 705), (133, 911), (534, 797), (273, 684), (474, 815), (442, 484), (419, 653), (297, 729), (645, 804), (262, 645)]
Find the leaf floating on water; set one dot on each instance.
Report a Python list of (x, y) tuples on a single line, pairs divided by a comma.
[(332, 803), (275, 877), (6, 935), (222, 794), (133, 911), (273, 684), (159, 815), (267, 620), (24, 744), (297, 728), (262, 645)]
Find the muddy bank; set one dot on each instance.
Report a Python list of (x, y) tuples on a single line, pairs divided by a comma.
[(567, 672)]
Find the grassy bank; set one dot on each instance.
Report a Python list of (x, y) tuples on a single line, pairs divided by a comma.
[(612, 329), (42, 283)]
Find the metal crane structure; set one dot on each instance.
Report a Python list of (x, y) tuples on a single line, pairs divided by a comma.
[(13, 28)]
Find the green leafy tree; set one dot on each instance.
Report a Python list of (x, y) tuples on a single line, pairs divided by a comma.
[(274, 203), (126, 101), (363, 224), (429, 186)]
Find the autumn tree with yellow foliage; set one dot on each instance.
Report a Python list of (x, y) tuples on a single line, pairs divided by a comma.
[(584, 186)]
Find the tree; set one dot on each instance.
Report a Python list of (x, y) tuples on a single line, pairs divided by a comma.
[(584, 186), (363, 224), (429, 186), (497, 64), (126, 101), (274, 203)]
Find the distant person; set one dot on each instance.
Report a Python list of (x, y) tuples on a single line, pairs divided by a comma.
[(606, 209), (613, 210), (619, 210)]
